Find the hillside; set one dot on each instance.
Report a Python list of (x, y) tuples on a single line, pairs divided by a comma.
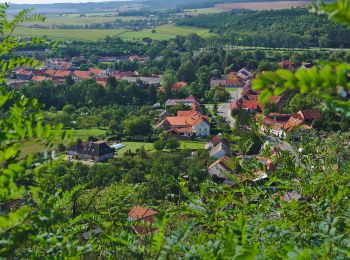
[(278, 28)]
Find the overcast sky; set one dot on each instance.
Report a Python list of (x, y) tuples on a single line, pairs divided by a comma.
[(52, 1)]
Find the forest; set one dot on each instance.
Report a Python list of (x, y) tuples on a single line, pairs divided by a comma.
[(294, 28)]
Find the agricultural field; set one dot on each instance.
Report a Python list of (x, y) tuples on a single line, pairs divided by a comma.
[(164, 32), (183, 31), (202, 11), (71, 19), (69, 34), (139, 35), (268, 5)]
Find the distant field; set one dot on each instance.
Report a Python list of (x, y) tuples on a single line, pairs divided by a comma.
[(202, 11), (77, 20), (273, 5), (139, 35), (71, 34), (183, 30), (164, 32)]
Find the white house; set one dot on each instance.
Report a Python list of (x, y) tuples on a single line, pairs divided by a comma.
[(219, 169), (202, 128), (220, 150)]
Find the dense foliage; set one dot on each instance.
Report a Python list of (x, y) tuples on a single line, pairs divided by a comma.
[(294, 28)]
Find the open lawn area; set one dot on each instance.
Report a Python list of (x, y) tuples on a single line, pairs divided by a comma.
[(36, 147), (84, 134), (133, 146)]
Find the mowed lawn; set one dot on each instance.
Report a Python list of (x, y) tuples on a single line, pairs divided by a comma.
[(134, 146), (83, 134), (68, 34)]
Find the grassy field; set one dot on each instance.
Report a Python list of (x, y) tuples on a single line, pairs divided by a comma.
[(164, 32), (133, 146), (182, 30), (85, 133), (199, 11), (139, 35), (268, 5), (35, 147), (72, 34)]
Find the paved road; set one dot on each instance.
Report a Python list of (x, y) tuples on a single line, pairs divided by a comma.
[(224, 109)]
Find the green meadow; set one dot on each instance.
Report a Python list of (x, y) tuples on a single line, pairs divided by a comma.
[(164, 32)]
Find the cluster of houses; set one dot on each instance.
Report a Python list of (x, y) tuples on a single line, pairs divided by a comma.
[(233, 79), (58, 70), (276, 124), (222, 169), (186, 124)]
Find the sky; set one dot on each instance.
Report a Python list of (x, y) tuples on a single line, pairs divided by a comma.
[(52, 1)]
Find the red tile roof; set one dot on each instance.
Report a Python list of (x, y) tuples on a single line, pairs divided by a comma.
[(24, 72), (62, 73), (102, 81), (308, 114), (246, 104), (40, 78), (95, 71), (141, 213), (82, 74), (50, 72), (179, 85)]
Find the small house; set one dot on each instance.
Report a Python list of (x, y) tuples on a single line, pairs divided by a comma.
[(142, 214), (97, 151), (220, 150)]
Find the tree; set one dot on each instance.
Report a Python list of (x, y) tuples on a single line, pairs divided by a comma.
[(168, 81), (159, 145), (187, 72), (138, 125), (21, 121), (172, 143)]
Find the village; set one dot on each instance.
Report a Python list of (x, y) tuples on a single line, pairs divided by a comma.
[(192, 123)]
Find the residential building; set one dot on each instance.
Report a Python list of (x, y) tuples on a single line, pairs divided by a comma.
[(97, 151), (142, 214), (215, 140), (220, 169), (186, 124), (287, 65), (220, 150)]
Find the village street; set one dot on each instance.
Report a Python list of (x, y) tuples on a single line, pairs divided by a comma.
[(224, 109)]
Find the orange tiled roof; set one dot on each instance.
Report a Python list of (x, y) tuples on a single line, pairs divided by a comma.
[(39, 78), (179, 85), (95, 71), (62, 73), (139, 213), (82, 74)]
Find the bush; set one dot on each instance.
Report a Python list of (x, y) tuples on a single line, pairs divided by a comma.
[(159, 145)]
